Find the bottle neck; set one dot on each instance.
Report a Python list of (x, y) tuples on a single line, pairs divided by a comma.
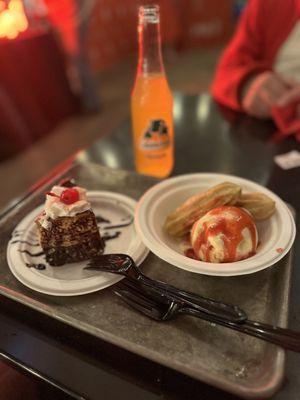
[(150, 58)]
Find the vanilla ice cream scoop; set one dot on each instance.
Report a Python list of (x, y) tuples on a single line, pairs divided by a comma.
[(224, 234)]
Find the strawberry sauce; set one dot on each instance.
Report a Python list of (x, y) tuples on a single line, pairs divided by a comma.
[(230, 229), (190, 253)]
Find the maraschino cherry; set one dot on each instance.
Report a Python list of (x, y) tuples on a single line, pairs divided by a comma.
[(68, 196)]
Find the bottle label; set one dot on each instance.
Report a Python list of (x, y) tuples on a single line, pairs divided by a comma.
[(156, 136)]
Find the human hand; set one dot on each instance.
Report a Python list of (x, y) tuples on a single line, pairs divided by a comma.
[(291, 97), (263, 91), (286, 112)]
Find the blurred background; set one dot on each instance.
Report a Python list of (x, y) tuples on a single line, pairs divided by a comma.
[(66, 63)]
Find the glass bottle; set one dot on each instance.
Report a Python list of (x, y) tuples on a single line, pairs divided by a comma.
[(151, 101)]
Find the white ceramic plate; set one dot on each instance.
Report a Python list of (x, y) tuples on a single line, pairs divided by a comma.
[(276, 235), (72, 279)]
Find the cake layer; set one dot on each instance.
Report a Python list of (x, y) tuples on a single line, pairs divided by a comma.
[(78, 224), (70, 239), (60, 255), (67, 240)]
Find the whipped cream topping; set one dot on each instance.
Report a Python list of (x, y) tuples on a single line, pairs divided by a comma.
[(54, 208)]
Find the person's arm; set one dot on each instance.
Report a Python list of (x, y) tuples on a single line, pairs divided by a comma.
[(243, 59)]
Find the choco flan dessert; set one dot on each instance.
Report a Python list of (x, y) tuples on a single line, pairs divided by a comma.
[(67, 227)]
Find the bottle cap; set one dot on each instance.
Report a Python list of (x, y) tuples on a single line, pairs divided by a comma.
[(149, 13)]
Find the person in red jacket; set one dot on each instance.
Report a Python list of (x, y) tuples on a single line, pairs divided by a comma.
[(260, 68)]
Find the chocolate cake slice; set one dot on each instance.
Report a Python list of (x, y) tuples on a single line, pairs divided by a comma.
[(67, 228)]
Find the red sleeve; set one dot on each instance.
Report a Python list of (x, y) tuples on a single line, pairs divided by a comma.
[(243, 57)]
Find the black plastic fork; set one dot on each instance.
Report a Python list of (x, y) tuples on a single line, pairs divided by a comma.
[(161, 308), (123, 264)]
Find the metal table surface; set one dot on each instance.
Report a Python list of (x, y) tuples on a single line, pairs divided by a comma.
[(85, 367)]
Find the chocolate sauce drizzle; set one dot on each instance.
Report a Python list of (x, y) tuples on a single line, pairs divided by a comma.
[(102, 220), (107, 236), (32, 254), (17, 233), (118, 226), (39, 266), (25, 241)]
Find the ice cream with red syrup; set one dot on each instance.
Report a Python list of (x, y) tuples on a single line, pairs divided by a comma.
[(224, 234)]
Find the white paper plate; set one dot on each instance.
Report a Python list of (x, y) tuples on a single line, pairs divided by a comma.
[(72, 279), (276, 235)]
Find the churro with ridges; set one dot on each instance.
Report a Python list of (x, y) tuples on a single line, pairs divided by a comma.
[(179, 222), (258, 204)]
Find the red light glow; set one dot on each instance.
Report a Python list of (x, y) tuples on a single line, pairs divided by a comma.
[(12, 19)]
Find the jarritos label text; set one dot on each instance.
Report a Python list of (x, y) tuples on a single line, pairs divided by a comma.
[(156, 136)]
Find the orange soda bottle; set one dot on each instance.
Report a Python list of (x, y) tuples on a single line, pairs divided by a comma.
[(151, 101)]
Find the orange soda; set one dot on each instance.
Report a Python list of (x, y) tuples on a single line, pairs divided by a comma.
[(152, 102)]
